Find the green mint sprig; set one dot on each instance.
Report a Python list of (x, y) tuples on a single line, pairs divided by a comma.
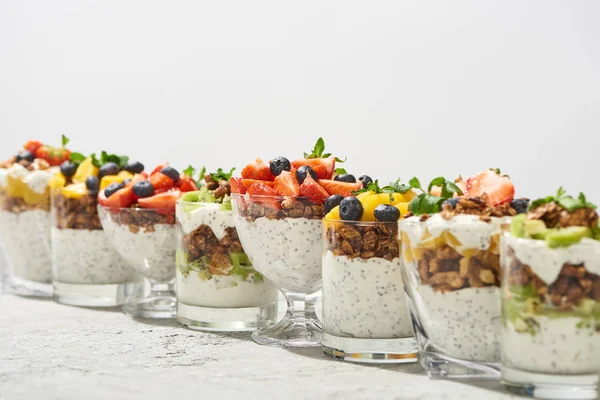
[(319, 151), (426, 203), (220, 174), (391, 189), (77, 158), (567, 202)]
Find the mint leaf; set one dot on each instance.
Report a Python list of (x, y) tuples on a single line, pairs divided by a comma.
[(76, 158), (439, 181), (560, 192), (340, 171), (319, 151), (202, 173), (425, 203), (496, 170), (400, 187), (189, 171), (449, 188), (95, 161), (415, 183), (567, 202), (337, 159), (222, 175), (64, 140)]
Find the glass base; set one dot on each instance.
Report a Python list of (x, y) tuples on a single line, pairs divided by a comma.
[(291, 331), (387, 351), (25, 287), (90, 295), (245, 319), (441, 366), (546, 386), (163, 305)]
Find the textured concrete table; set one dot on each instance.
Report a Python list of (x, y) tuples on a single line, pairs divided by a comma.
[(51, 351)]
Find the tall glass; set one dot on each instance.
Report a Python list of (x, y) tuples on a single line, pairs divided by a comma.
[(551, 318), (147, 239), (365, 316), (452, 277), (87, 271), (282, 237), (217, 286)]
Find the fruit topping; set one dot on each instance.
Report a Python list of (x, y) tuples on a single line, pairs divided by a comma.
[(248, 182), (68, 169), (257, 170), (303, 171), (322, 167), (332, 202), (351, 209), (118, 178), (135, 167), (340, 187), (237, 186), (286, 184), (520, 205), (365, 179), (311, 189), (499, 188), (427, 203), (279, 164), (265, 194), (186, 184), (122, 198), (450, 203), (92, 183), (75, 191), (199, 196), (161, 181), (110, 168), (346, 178), (25, 155), (165, 200), (32, 146), (112, 189), (143, 189), (386, 213), (85, 169), (53, 155), (57, 181), (171, 173)]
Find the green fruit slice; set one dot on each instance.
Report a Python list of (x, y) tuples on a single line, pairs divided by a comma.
[(567, 236), (533, 227), (199, 196), (516, 226)]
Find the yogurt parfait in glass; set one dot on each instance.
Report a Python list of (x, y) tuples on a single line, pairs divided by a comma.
[(551, 300), (365, 315), (138, 219), (450, 251), (25, 216), (87, 271), (217, 286)]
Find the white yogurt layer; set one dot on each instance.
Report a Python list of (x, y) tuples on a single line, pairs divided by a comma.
[(37, 181), (192, 215), (224, 291), (471, 232), (3, 177), (150, 253), (85, 256), (17, 171), (547, 263), (558, 347), (364, 298), (464, 323), (26, 241), (286, 251)]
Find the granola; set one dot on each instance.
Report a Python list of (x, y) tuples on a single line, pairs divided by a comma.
[(142, 219), (378, 239), (280, 209), (478, 206), (18, 205)]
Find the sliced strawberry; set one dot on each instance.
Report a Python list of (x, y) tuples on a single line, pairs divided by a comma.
[(324, 167), (237, 186), (311, 189), (342, 188), (32, 146), (264, 194), (286, 184), (499, 189), (160, 181), (248, 182), (122, 198), (136, 178), (258, 170), (164, 201), (158, 168), (186, 184)]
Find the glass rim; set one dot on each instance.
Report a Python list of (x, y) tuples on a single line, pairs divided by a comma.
[(136, 209)]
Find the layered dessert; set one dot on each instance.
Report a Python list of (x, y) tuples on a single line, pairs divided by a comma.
[(25, 215), (450, 247), (551, 293), (80, 253)]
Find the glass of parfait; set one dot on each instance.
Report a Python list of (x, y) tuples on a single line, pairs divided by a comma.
[(217, 287), (452, 277), (365, 315), (25, 220), (551, 300), (87, 271)]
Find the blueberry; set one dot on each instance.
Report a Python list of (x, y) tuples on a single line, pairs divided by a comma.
[(303, 171), (332, 202), (386, 213), (170, 172), (351, 209), (143, 189), (92, 183), (68, 169), (520, 205), (279, 164), (25, 155), (110, 168), (365, 179), (451, 202), (134, 167), (345, 178), (112, 189)]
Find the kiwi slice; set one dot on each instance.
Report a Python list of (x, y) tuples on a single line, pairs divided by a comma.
[(199, 196), (239, 258), (567, 236), (516, 226), (533, 227)]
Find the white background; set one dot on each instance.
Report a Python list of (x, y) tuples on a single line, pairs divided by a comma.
[(421, 88)]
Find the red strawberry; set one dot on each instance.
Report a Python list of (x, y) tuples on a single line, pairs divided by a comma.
[(258, 170), (160, 181), (324, 167), (159, 167), (32, 146), (237, 186), (186, 184), (164, 201), (286, 184), (122, 198), (264, 194), (342, 188), (499, 189), (248, 182), (54, 156), (311, 189)]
